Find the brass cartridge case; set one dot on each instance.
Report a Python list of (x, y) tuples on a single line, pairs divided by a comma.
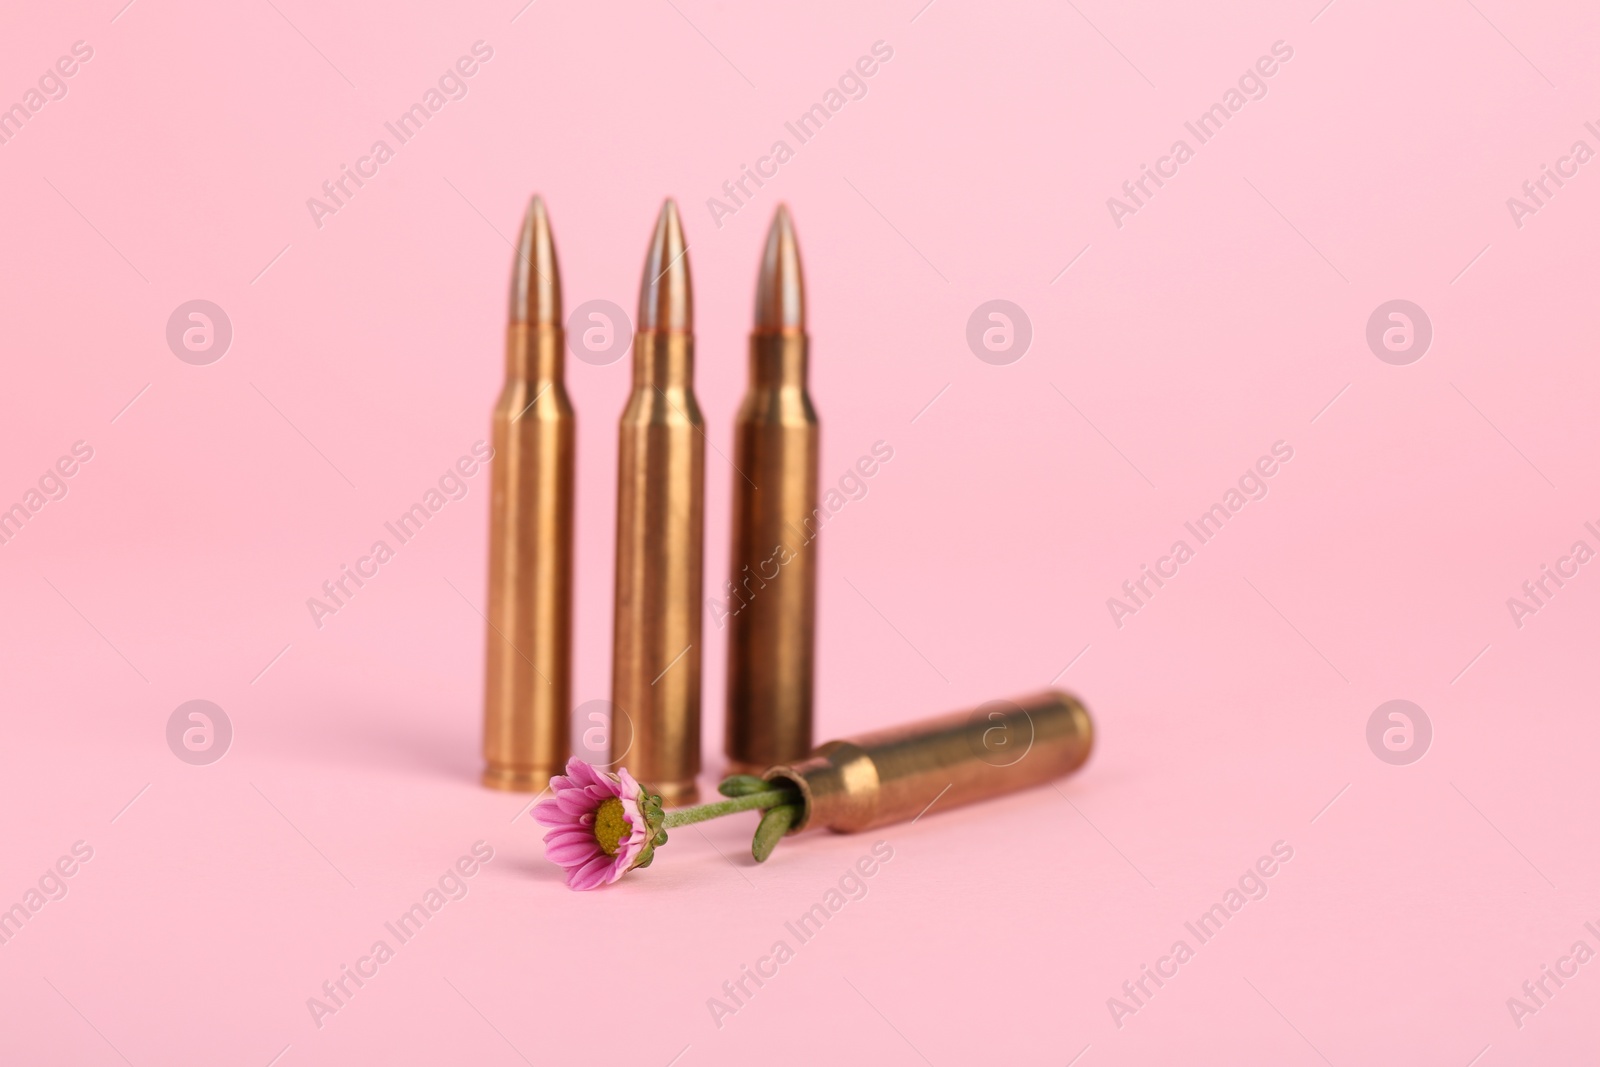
[(892, 775), (528, 682), (655, 674), (772, 588)]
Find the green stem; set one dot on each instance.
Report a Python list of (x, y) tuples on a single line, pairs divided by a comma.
[(750, 802)]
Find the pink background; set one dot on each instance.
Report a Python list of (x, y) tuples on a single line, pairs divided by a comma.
[(1227, 314)]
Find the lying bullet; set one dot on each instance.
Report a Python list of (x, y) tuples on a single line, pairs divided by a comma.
[(772, 590), (896, 774), (528, 689), (655, 672)]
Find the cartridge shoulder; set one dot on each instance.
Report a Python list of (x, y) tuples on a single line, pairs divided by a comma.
[(533, 401), (777, 406), (663, 406)]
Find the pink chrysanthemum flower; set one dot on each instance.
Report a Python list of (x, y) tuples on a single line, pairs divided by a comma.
[(598, 832), (603, 825)]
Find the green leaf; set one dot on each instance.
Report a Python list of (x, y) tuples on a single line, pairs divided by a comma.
[(740, 785), (774, 824)]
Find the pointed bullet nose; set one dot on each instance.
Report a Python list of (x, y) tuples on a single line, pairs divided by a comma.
[(535, 279), (666, 302), (781, 289)]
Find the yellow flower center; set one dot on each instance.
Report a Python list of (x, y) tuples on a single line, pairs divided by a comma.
[(610, 826)]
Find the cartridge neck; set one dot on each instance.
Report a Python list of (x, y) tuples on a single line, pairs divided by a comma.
[(535, 353), (663, 360), (778, 360), (839, 784)]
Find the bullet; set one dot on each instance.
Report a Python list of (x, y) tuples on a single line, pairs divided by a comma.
[(772, 589), (655, 672), (893, 775), (528, 687)]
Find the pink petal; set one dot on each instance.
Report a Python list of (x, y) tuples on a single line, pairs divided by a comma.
[(573, 853), (549, 813), (592, 874), (581, 773), (574, 803), (569, 837)]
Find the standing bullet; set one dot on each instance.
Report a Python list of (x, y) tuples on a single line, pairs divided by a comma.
[(655, 672), (772, 591), (528, 690)]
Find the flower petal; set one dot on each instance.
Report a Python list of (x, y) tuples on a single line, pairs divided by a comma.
[(575, 802), (581, 773), (550, 813), (572, 853), (565, 836), (596, 872)]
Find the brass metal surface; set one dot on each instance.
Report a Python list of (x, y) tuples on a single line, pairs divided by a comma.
[(896, 774), (528, 683), (656, 653), (772, 586)]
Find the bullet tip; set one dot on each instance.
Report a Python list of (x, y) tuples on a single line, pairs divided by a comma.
[(535, 279), (666, 302), (780, 288)]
